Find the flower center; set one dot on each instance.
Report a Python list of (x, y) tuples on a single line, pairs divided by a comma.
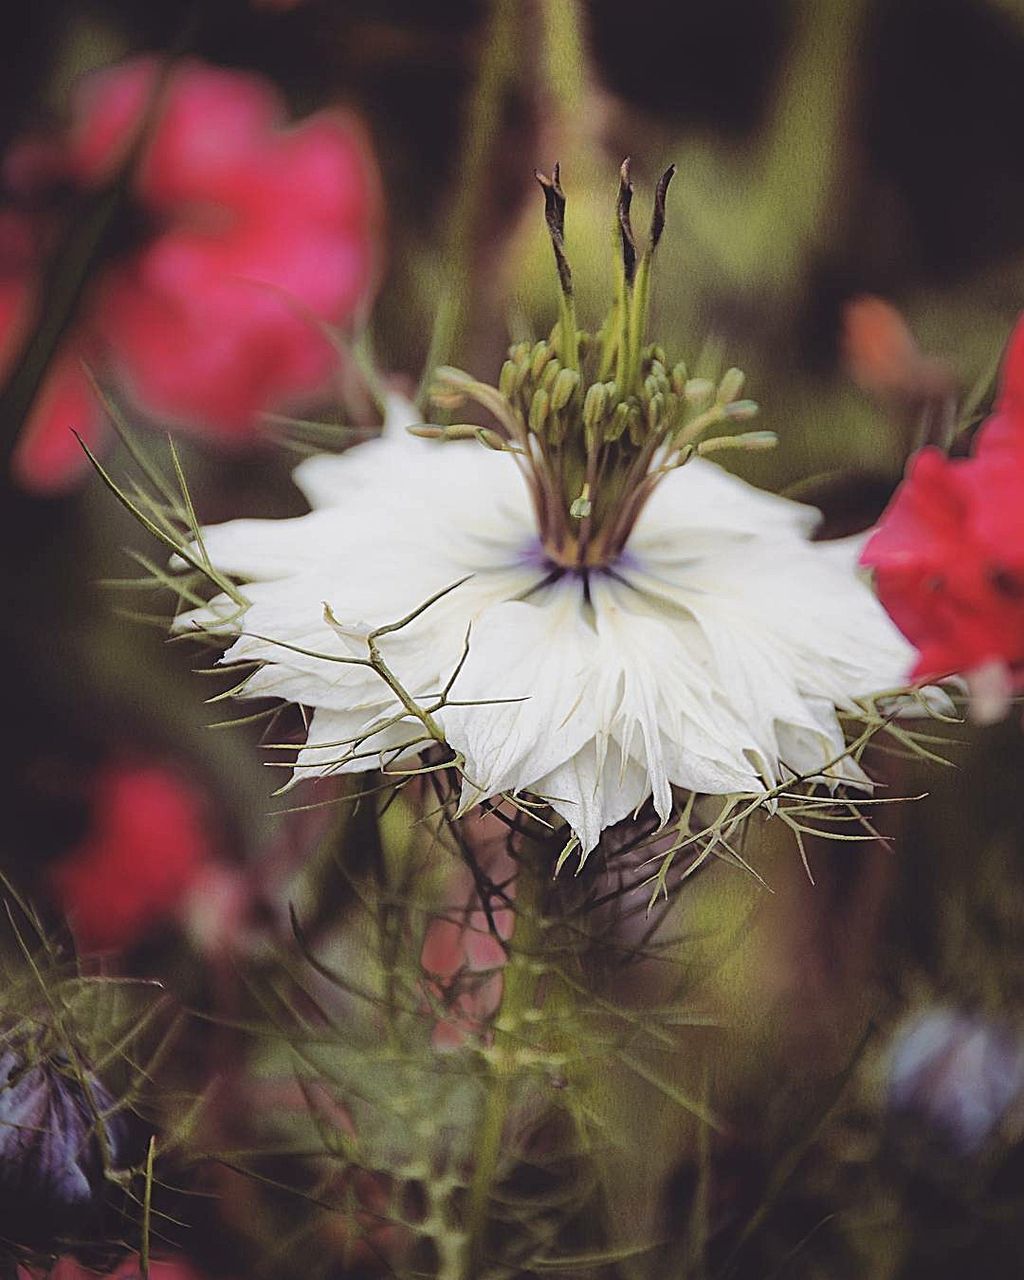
[(596, 420)]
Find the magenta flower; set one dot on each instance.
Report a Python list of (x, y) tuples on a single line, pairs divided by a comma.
[(258, 240)]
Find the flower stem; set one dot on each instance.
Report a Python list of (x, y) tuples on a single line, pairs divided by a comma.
[(505, 1058), (483, 121)]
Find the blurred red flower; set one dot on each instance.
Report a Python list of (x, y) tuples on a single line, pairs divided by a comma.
[(257, 238), (148, 848), (1002, 433), (948, 552)]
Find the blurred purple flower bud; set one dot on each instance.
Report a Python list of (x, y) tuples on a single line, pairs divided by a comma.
[(958, 1074), (52, 1174)]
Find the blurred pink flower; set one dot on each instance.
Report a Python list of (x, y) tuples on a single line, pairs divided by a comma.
[(463, 957), (148, 850), (257, 239)]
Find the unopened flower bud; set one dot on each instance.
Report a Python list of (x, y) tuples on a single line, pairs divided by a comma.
[(740, 410), (619, 422), (491, 438), (551, 371), (754, 440), (540, 406), (730, 386), (457, 431), (563, 388), (655, 409), (519, 352), (539, 357), (445, 398), (425, 431), (698, 390), (507, 379), (595, 404)]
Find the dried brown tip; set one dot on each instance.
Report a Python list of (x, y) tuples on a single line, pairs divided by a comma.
[(658, 214), (554, 215), (626, 237)]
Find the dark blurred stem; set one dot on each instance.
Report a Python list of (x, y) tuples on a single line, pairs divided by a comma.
[(61, 293), (519, 992), (67, 276), (480, 133)]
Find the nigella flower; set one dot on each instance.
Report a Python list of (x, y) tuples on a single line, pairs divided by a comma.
[(59, 1137), (606, 623)]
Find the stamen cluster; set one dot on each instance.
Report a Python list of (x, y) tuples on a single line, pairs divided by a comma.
[(595, 420)]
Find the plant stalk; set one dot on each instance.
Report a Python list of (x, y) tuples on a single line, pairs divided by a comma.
[(506, 1055)]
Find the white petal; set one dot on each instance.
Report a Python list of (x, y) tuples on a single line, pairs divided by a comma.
[(345, 742), (540, 654), (262, 550), (591, 795)]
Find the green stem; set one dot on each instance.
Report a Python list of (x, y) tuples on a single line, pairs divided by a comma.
[(505, 1059), (483, 121), (565, 54)]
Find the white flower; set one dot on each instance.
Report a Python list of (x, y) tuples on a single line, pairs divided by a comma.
[(710, 654)]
